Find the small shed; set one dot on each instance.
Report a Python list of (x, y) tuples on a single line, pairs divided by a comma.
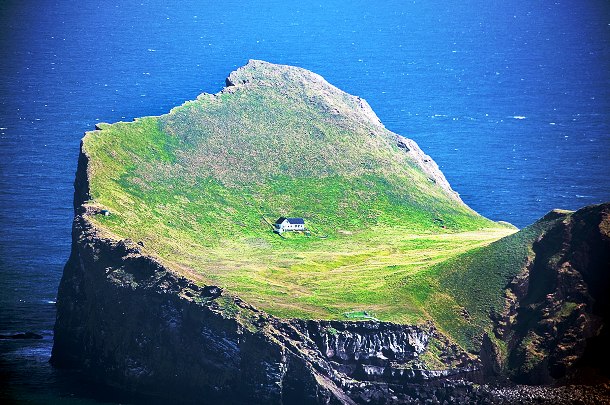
[(284, 224)]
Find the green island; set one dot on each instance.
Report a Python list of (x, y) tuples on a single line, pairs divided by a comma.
[(200, 188)]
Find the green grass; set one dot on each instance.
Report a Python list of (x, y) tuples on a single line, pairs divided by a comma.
[(200, 185), (477, 281)]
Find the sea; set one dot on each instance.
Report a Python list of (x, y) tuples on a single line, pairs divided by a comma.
[(510, 98)]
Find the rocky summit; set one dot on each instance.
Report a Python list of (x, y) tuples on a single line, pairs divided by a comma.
[(181, 285)]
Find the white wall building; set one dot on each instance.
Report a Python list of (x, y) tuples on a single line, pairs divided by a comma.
[(284, 224)]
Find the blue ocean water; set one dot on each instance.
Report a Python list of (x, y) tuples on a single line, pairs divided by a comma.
[(512, 100)]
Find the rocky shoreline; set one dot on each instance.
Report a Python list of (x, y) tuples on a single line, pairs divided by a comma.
[(568, 394)]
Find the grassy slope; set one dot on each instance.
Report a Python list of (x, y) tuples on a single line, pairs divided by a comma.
[(477, 280), (199, 185)]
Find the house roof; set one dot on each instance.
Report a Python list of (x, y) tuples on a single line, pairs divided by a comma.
[(290, 220)]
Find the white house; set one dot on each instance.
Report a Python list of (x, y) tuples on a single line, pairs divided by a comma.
[(284, 224)]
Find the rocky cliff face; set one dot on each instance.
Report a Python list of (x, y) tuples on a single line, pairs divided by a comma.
[(386, 352), (558, 308), (127, 321)]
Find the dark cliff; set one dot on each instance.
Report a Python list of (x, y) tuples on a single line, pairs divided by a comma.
[(557, 314)]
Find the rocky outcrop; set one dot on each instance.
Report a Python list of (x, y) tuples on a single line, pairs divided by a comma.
[(427, 165), (127, 320), (385, 352), (23, 335), (558, 307)]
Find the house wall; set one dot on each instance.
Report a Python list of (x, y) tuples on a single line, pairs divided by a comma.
[(285, 226)]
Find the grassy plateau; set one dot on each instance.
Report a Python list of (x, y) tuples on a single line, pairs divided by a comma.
[(200, 186)]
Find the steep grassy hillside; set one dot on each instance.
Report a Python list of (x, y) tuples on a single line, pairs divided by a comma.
[(199, 187), (478, 281)]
